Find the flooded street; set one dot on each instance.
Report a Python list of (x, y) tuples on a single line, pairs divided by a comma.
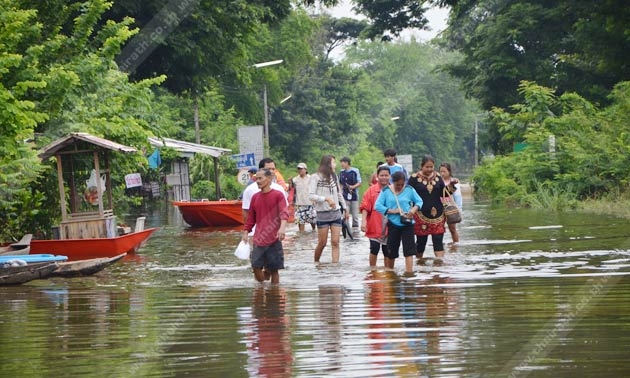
[(525, 293)]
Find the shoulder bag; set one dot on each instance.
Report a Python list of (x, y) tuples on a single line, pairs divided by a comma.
[(404, 220), (451, 211)]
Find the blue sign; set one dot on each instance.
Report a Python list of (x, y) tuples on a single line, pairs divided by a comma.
[(245, 160)]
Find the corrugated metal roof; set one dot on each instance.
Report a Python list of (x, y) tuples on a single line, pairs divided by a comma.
[(189, 148), (72, 138)]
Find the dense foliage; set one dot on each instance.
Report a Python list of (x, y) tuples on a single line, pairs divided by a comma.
[(545, 68), (569, 46), (60, 73), (573, 149)]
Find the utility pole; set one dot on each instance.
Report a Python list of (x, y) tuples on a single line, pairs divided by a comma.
[(196, 118), (476, 142), (266, 110)]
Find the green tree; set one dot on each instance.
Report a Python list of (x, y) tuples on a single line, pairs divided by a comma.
[(194, 41), (58, 79), (387, 19), (20, 73), (569, 46), (337, 32), (433, 115), (574, 150)]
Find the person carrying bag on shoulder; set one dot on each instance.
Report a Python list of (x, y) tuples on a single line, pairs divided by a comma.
[(399, 204)]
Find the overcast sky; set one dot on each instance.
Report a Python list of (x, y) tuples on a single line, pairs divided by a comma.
[(437, 20)]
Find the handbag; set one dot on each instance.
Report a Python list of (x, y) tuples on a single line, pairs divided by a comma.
[(451, 211), (404, 220)]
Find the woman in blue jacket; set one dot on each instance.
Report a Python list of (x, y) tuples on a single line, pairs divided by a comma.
[(399, 204)]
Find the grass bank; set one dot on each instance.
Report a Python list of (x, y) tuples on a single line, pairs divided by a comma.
[(619, 207)]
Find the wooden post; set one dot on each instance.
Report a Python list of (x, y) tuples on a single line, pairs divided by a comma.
[(108, 182), (216, 177), (75, 197), (62, 196)]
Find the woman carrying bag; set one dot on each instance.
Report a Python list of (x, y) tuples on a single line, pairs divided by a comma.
[(430, 219), (456, 196), (399, 203)]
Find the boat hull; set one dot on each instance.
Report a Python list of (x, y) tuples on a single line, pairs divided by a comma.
[(84, 267), (5, 251), (82, 249), (211, 213), (22, 274), (22, 247)]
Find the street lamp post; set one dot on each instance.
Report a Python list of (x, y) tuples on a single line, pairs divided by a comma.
[(266, 129), (265, 106)]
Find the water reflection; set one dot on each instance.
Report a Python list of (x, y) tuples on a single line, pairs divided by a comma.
[(187, 307), (267, 334), (331, 299), (381, 299), (408, 326)]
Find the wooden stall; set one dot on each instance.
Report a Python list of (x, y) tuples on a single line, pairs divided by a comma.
[(89, 213)]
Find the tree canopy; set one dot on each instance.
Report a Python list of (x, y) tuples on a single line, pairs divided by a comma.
[(569, 46), (129, 69)]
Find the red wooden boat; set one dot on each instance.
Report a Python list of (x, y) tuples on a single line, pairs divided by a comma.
[(215, 213), (211, 213), (81, 249), (88, 226)]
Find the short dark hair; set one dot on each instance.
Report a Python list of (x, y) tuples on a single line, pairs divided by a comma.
[(262, 162), (267, 172), (346, 159), (397, 176), (389, 152), (383, 167)]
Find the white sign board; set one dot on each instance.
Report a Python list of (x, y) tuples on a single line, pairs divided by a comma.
[(243, 176), (133, 180), (407, 162), (250, 139)]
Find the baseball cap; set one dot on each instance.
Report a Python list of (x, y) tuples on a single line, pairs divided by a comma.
[(253, 170), (302, 165)]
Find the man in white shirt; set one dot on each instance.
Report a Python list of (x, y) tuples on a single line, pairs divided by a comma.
[(253, 188)]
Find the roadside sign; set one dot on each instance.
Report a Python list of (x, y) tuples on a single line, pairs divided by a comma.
[(133, 180), (407, 162), (250, 139), (245, 160), (243, 176)]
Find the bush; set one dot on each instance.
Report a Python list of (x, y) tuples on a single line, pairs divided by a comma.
[(203, 189)]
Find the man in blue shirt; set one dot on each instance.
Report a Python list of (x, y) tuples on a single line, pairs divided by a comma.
[(350, 180)]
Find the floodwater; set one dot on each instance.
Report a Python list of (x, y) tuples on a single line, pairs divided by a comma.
[(525, 293)]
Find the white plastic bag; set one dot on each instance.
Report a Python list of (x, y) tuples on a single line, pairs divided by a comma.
[(91, 191), (242, 251)]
